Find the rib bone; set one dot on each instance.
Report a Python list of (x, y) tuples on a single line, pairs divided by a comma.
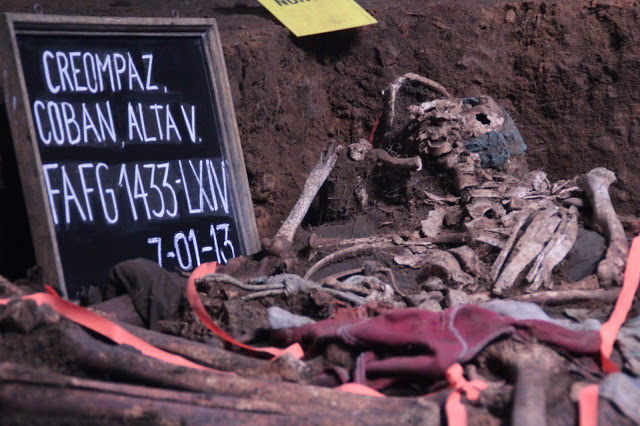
[(531, 243), (561, 243), (502, 257)]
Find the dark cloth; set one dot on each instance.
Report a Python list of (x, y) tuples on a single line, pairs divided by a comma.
[(624, 392), (417, 343), (492, 148), (155, 292), (495, 147), (585, 255)]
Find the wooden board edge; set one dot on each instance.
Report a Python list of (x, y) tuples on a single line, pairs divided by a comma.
[(22, 126), (23, 21), (13, 86), (228, 125)]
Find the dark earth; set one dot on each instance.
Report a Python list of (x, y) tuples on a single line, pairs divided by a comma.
[(570, 88), (566, 72)]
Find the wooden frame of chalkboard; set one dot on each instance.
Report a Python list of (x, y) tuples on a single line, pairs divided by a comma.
[(127, 144)]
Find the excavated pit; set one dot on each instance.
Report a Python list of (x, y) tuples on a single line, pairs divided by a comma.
[(565, 71)]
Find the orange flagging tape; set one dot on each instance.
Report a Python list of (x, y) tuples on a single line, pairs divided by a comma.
[(198, 308), (456, 412), (588, 398), (373, 130), (609, 330), (359, 389), (588, 405), (103, 326)]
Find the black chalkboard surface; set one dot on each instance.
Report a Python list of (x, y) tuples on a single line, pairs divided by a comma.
[(127, 144)]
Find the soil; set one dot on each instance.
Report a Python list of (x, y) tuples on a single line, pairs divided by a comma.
[(566, 72), (571, 88)]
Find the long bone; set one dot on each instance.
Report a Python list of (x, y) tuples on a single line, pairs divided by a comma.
[(534, 367), (596, 185), (281, 242)]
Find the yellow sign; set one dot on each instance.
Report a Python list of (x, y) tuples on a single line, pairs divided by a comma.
[(306, 17)]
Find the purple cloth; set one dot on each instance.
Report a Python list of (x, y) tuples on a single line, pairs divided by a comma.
[(415, 342)]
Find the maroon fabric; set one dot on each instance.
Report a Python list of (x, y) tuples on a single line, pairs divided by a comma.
[(576, 341), (415, 342)]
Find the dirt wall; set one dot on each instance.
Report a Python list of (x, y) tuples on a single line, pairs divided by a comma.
[(567, 72)]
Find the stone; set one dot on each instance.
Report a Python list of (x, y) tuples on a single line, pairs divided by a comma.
[(432, 225), (430, 305), (358, 151), (456, 298), (433, 284)]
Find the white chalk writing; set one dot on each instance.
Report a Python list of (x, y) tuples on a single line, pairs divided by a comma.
[(61, 120), (96, 72), (151, 191), (191, 248)]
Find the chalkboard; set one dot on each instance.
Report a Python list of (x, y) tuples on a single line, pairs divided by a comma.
[(127, 144)]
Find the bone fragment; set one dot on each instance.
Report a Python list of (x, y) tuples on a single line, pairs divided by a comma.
[(469, 260), (517, 203), (485, 193), (441, 199), (361, 196), (432, 225), (538, 182), (341, 242), (539, 203), (440, 147), (481, 223), (444, 265), (430, 305), (573, 201), (568, 192), (411, 260), (512, 219), (596, 185), (349, 252), (467, 179), (358, 150), (531, 243), (500, 231), (433, 284), (289, 284), (453, 216), (517, 192), (392, 92), (431, 84), (280, 318), (412, 163), (442, 238), (477, 229), (561, 243), (362, 285), (557, 186), (483, 206), (488, 238), (569, 296)]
